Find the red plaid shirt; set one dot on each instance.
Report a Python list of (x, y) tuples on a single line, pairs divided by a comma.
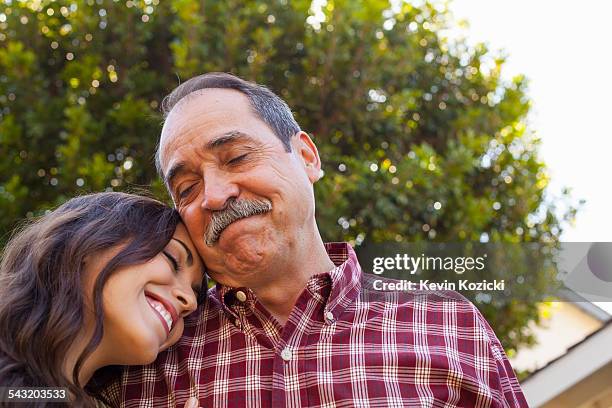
[(344, 345)]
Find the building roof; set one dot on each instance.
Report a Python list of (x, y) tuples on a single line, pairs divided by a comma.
[(581, 360)]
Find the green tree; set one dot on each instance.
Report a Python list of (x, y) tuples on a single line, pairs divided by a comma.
[(421, 138)]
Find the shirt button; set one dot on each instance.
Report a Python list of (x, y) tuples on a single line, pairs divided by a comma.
[(241, 296), (238, 324), (286, 354), (330, 317)]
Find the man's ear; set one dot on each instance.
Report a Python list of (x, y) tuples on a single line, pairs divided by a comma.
[(306, 150)]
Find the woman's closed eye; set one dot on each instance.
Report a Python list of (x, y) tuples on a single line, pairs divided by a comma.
[(176, 266)]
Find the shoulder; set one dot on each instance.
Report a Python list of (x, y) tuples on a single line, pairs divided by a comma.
[(443, 317), (446, 329), (438, 311)]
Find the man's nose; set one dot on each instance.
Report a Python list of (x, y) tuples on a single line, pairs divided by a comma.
[(218, 188)]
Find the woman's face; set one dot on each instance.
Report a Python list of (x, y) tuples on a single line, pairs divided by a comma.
[(144, 305)]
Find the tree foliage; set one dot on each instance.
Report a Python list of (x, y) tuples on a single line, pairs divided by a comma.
[(420, 136)]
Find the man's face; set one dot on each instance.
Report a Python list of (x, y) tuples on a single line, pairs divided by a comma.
[(214, 150)]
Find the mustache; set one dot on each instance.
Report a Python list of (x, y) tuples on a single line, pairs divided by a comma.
[(234, 211)]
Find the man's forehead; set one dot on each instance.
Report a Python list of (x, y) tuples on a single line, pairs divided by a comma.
[(204, 106), (201, 115), (208, 121)]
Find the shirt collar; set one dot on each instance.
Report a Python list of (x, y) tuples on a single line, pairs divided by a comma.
[(345, 280), (345, 277)]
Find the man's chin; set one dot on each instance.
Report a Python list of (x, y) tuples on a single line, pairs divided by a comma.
[(242, 248), (243, 254), (238, 269), (249, 228)]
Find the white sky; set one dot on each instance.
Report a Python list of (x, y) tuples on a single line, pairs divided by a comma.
[(565, 49)]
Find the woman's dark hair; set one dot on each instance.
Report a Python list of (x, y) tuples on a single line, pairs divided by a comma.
[(41, 281)]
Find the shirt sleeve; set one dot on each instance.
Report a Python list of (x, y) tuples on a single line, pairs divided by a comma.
[(504, 380)]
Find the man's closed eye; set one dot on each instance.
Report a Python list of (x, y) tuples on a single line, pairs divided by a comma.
[(185, 192), (238, 159)]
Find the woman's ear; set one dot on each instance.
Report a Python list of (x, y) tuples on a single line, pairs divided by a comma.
[(307, 151)]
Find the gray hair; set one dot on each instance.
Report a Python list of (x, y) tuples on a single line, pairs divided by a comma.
[(270, 108)]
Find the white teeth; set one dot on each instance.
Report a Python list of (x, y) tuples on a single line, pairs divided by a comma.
[(164, 313)]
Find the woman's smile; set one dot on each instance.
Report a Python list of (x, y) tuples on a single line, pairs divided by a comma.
[(164, 311)]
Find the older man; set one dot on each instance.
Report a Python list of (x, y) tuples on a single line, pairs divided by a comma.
[(290, 322)]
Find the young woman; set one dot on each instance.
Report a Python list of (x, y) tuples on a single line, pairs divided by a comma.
[(104, 280)]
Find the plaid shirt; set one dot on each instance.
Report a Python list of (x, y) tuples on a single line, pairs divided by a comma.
[(344, 345)]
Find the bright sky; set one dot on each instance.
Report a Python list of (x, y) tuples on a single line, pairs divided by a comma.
[(564, 48)]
